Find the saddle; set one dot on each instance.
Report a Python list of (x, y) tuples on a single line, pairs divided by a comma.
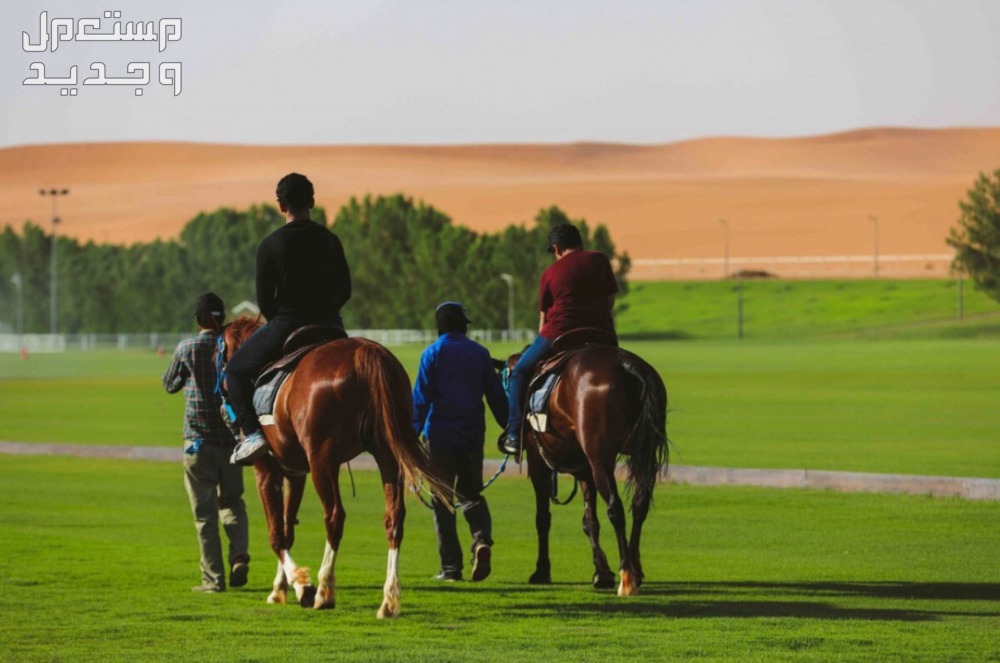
[(548, 371), (299, 343)]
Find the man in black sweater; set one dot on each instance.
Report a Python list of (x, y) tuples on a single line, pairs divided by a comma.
[(302, 279)]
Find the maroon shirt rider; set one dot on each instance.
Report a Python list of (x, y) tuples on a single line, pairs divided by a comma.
[(577, 290), (574, 293)]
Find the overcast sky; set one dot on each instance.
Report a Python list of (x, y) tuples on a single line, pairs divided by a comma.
[(470, 71)]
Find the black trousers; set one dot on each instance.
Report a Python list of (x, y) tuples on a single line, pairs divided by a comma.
[(464, 470), (264, 346)]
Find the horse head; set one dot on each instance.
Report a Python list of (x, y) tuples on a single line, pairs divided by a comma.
[(236, 333), (504, 367)]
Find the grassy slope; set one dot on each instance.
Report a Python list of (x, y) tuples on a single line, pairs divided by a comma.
[(805, 309), (105, 554)]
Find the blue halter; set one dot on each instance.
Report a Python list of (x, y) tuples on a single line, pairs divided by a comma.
[(220, 375)]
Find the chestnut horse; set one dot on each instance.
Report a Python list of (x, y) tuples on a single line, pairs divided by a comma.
[(344, 397), (606, 403)]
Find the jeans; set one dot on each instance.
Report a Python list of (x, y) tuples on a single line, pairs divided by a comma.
[(264, 346), (520, 376), (467, 468)]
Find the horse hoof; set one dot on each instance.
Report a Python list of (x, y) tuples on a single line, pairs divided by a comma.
[(540, 578), (308, 596), (386, 613), (627, 586), (604, 580)]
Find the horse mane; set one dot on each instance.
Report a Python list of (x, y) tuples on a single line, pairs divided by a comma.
[(241, 328)]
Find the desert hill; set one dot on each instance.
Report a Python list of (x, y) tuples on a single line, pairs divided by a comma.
[(808, 196)]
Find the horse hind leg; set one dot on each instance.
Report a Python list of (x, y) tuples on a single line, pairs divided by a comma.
[(640, 509), (541, 481), (328, 488), (604, 479), (604, 577), (270, 488), (395, 514)]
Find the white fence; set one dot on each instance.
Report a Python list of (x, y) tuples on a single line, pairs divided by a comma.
[(901, 266), (34, 343)]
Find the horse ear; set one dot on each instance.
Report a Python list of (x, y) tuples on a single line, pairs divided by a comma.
[(498, 364)]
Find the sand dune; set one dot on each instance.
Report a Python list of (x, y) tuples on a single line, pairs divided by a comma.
[(782, 197)]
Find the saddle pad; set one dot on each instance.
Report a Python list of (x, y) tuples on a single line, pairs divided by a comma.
[(538, 402), (265, 394)]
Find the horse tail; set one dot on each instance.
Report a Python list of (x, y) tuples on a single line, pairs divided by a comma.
[(647, 440), (388, 423)]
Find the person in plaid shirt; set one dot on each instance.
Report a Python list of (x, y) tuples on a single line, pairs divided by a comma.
[(214, 486)]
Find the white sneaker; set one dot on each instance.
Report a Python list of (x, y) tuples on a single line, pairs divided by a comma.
[(249, 449)]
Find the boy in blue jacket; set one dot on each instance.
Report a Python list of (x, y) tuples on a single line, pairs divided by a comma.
[(455, 374)]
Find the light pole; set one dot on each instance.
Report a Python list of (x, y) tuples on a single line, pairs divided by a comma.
[(54, 280), (874, 220), (725, 248), (510, 304), (961, 300), (19, 284), (739, 311)]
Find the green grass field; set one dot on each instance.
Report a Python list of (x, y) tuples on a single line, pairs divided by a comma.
[(840, 376), (100, 556), (896, 406)]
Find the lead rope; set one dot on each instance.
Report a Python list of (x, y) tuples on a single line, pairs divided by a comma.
[(419, 489), (505, 381)]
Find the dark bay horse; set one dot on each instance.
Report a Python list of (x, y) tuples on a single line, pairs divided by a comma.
[(344, 397), (606, 404)]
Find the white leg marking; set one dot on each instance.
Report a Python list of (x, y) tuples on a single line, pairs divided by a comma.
[(326, 592), (390, 593), (627, 585), (298, 577), (280, 587)]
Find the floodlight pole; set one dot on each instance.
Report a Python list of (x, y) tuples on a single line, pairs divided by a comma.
[(510, 304), (54, 278), (725, 248), (19, 284), (874, 220), (740, 310), (961, 303)]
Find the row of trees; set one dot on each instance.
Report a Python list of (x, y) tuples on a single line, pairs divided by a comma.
[(405, 258)]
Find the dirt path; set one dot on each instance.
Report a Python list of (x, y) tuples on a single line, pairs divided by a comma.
[(846, 482)]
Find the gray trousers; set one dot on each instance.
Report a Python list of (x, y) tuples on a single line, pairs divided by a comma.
[(215, 489)]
